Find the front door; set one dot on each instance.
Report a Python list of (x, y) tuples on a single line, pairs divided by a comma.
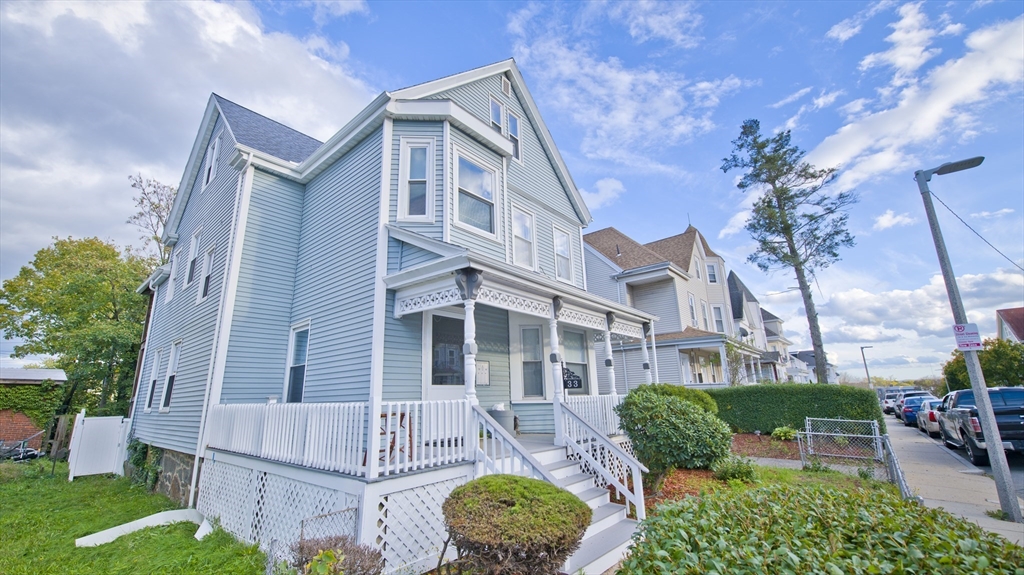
[(444, 367)]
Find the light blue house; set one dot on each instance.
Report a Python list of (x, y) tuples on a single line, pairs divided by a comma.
[(338, 318)]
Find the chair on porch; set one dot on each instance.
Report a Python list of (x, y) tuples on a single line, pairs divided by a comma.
[(390, 454)]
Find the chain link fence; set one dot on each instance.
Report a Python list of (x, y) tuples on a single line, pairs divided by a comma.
[(342, 522)]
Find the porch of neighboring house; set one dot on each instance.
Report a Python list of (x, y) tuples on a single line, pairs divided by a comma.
[(380, 470)]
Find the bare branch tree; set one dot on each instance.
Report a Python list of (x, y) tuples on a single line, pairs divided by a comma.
[(154, 203)]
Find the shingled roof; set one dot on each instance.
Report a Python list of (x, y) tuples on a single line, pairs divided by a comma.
[(1014, 318), (767, 315), (624, 251), (737, 293), (679, 248), (261, 133)]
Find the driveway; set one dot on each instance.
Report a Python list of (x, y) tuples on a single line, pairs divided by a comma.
[(944, 479)]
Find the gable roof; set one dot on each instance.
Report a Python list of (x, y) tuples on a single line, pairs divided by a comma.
[(1014, 319), (769, 316), (261, 133), (679, 248), (622, 250), (738, 292)]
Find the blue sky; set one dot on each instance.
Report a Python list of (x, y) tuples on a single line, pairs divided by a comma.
[(642, 98)]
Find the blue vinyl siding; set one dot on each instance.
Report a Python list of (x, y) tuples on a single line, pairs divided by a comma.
[(419, 129), (661, 300), (535, 417), (403, 364), (599, 277), (334, 282), (212, 211), (412, 256), (458, 234), (260, 328)]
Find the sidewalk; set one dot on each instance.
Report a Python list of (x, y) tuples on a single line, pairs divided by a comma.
[(945, 481)]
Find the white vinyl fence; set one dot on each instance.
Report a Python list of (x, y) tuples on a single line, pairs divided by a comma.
[(98, 445)]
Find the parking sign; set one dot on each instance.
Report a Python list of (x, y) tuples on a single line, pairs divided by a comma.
[(968, 338)]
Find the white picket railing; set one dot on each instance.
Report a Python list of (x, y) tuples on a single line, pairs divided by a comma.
[(421, 434), (598, 411), (499, 452), (328, 436), (603, 458)]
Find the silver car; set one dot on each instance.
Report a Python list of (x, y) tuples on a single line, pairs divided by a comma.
[(928, 417)]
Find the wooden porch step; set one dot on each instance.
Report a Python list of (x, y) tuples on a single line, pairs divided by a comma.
[(602, 550), (604, 517), (576, 483), (594, 497), (564, 468)]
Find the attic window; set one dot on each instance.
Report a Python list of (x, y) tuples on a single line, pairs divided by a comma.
[(497, 113), (506, 86), (712, 274), (513, 135), (211, 162)]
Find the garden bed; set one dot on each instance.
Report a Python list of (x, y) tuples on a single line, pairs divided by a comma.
[(751, 445)]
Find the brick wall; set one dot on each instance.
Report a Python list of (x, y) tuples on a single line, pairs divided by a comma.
[(16, 426)]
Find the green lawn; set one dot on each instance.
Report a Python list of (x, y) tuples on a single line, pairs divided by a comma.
[(41, 516)]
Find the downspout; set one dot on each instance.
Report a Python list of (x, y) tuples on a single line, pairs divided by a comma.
[(201, 440)]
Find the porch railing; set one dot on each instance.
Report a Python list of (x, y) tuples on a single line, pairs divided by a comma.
[(605, 459), (499, 452), (598, 411), (421, 434)]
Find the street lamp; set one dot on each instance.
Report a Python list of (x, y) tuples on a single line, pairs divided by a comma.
[(862, 348), (997, 457)]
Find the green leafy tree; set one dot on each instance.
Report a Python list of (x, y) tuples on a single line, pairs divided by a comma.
[(796, 223), (76, 302), (1002, 363), (154, 203)]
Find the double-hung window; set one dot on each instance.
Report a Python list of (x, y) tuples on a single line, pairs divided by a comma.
[(297, 362), (497, 112), (704, 314), (513, 135), (416, 181), (563, 256), (172, 373), (719, 319), (712, 274), (693, 311), (523, 239), (154, 376), (696, 267), (211, 162), (533, 362), (574, 345), (476, 191), (193, 259), (172, 277), (204, 289)]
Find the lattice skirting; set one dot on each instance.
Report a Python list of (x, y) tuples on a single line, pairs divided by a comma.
[(258, 506)]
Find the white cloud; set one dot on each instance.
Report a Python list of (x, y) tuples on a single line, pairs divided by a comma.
[(791, 98), (94, 92), (326, 10), (995, 214), (910, 39), (608, 190), (675, 22), (735, 224), (824, 100), (891, 220), (851, 26), (878, 142)]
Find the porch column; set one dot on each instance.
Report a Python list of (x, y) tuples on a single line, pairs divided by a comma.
[(469, 280), (556, 371), (654, 350), (646, 356), (725, 364), (760, 370), (609, 363)]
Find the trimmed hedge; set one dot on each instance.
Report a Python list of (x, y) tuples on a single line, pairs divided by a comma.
[(695, 396), (787, 529), (766, 407)]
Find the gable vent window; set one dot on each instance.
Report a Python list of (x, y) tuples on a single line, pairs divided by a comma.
[(297, 363), (476, 195), (193, 259), (523, 243), (211, 162), (172, 374), (497, 113), (712, 274), (506, 86), (513, 134)]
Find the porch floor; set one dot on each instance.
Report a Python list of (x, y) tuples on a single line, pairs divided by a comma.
[(536, 442)]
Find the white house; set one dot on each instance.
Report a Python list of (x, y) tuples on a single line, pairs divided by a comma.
[(338, 317)]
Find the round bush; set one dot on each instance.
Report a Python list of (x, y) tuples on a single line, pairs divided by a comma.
[(509, 524), (695, 396), (667, 432), (785, 529)]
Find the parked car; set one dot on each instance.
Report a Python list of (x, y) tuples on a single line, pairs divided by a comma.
[(959, 425), (898, 407), (910, 406), (889, 402), (927, 417)]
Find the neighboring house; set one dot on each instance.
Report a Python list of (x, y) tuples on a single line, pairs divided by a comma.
[(777, 357), (336, 317), (807, 357), (682, 281), (26, 390), (1010, 324), (749, 326)]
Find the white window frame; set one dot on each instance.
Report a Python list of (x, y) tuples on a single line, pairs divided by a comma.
[(721, 312), (588, 351), (693, 310), (207, 275), (427, 351), (696, 266), (544, 364), (500, 127), (212, 160), (297, 327), (516, 324), (154, 376), (554, 250), (193, 257), (517, 138), (495, 202), (172, 364), (712, 273), (704, 315), (533, 242), (172, 275), (406, 144)]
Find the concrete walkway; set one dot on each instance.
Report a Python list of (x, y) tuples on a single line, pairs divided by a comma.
[(946, 481)]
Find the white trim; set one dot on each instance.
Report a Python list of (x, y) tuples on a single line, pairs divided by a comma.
[(692, 301), (518, 137), (154, 376), (713, 268), (193, 254), (704, 315), (506, 208), (583, 259), (405, 144), (380, 294), (172, 360), (296, 327), (714, 319), (446, 109), (494, 201), (207, 270), (555, 228), (506, 86), (446, 148), (172, 275), (589, 351), (421, 241), (533, 232), (501, 115), (427, 353), (516, 324)]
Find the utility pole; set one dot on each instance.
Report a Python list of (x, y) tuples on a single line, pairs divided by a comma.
[(862, 348), (996, 455)]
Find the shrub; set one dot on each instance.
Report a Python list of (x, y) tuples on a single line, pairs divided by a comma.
[(769, 406), (667, 432), (695, 396), (355, 558), (787, 529), (784, 433), (732, 467), (507, 524)]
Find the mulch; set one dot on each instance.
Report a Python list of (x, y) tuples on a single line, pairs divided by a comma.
[(751, 445)]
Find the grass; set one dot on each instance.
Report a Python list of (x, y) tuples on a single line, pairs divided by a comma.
[(41, 516)]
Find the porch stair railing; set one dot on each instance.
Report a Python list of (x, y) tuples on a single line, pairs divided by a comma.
[(598, 410), (499, 452), (605, 459)]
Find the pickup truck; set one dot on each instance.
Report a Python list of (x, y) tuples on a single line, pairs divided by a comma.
[(959, 425)]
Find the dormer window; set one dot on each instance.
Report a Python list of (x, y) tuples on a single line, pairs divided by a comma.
[(497, 113)]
